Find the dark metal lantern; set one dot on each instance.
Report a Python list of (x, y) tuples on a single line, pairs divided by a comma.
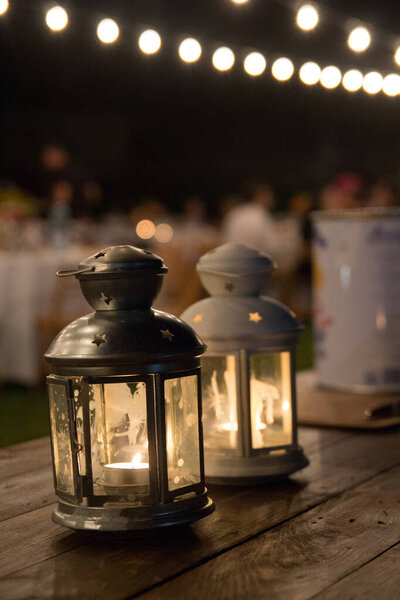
[(125, 403), (248, 372)]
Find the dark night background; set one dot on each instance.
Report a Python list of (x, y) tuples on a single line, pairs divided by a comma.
[(155, 125)]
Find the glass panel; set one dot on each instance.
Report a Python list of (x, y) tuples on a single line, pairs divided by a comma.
[(80, 438), (119, 439), (182, 431), (61, 437), (271, 401), (218, 375)]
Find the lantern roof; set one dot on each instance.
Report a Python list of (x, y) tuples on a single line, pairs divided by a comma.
[(124, 333), (236, 315), (124, 338), (235, 259), (117, 261)]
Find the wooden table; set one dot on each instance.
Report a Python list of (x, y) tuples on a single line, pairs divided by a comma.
[(331, 531)]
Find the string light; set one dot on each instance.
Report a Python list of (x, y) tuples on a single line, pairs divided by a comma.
[(107, 31), (3, 6), (391, 84), (310, 73), (56, 18), (352, 80), (223, 59), (330, 77), (373, 82), (254, 64), (190, 50), (282, 69), (359, 39), (164, 233), (145, 229), (307, 17), (397, 56), (150, 41)]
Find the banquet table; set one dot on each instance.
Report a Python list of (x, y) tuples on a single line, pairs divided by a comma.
[(330, 531), (27, 285)]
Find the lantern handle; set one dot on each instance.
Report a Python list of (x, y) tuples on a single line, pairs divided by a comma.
[(69, 272)]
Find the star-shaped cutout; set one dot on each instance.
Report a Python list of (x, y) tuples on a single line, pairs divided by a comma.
[(229, 286), (255, 317), (167, 335), (99, 339), (197, 318), (107, 299)]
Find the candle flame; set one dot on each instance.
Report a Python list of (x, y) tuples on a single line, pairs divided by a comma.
[(136, 460)]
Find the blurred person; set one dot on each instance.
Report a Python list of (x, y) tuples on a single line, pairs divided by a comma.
[(59, 214), (344, 192), (381, 195), (91, 202), (252, 223), (54, 165), (299, 293), (194, 211), (194, 231)]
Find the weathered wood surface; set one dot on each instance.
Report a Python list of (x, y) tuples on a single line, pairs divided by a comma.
[(318, 406), (294, 540)]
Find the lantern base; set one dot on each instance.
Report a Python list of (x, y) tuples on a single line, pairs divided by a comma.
[(239, 470), (127, 519)]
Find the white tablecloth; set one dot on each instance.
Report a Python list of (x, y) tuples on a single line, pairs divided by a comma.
[(27, 284)]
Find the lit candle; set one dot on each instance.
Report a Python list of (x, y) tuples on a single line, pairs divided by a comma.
[(232, 427), (127, 473)]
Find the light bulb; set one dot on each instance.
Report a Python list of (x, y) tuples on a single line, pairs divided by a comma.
[(223, 59), (164, 233), (359, 39), (149, 41), (145, 229), (307, 17), (330, 77), (310, 73), (254, 64), (391, 84), (282, 69), (352, 80), (56, 18), (107, 31), (373, 82), (190, 50), (3, 6), (397, 56)]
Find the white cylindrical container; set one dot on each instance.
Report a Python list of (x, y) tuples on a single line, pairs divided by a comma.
[(356, 286)]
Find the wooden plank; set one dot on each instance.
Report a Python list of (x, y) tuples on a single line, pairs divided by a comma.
[(27, 470), (306, 554), (378, 578), (25, 492), (23, 458), (333, 408), (117, 569), (313, 438), (32, 536)]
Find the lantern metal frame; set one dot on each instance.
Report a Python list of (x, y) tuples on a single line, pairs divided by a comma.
[(159, 492), (235, 275), (77, 364)]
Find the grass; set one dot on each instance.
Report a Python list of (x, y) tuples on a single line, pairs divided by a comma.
[(24, 412)]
